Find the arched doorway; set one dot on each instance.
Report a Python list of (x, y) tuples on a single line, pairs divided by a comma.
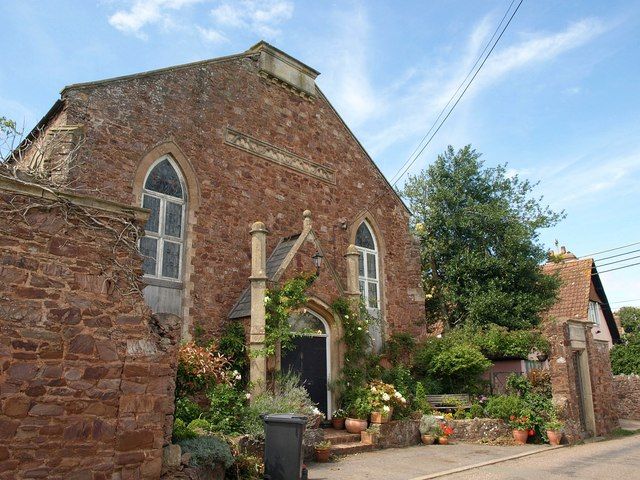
[(310, 357)]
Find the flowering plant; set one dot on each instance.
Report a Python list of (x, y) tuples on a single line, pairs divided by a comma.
[(520, 422), (446, 429), (384, 396)]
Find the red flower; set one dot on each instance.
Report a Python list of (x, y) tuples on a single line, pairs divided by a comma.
[(532, 432)]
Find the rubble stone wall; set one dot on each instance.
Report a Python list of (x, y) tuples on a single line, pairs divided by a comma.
[(87, 375), (627, 396)]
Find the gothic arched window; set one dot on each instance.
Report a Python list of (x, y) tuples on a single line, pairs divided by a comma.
[(368, 271), (163, 244)]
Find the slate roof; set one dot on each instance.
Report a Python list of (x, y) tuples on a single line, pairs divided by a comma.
[(242, 308)]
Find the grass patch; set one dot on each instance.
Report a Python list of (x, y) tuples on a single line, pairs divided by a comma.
[(622, 432)]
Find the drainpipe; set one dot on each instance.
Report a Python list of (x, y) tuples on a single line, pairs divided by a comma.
[(258, 278)]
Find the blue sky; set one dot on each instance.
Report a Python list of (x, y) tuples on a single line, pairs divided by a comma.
[(559, 100)]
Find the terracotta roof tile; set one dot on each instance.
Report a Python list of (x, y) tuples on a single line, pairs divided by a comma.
[(573, 296)]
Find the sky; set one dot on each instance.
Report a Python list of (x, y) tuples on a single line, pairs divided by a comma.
[(558, 100)]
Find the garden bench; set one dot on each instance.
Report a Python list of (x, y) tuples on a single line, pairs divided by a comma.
[(450, 401)]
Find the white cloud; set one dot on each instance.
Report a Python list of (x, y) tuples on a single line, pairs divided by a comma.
[(211, 35), (147, 12), (260, 16)]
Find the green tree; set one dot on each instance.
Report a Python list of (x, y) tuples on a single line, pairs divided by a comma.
[(481, 255), (630, 319), (625, 356)]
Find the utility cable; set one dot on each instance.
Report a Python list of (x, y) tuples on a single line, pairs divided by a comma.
[(610, 250)]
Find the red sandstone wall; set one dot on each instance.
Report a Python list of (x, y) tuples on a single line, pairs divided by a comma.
[(604, 399), (627, 396), (86, 376), (192, 107)]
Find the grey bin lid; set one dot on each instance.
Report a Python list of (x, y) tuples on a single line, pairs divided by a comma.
[(284, 418)]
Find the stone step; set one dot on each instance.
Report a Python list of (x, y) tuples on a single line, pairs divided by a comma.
[(351, 448), (340, 438)]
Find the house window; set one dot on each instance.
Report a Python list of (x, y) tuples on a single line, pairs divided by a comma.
[(594, 313), (163, 244), (368, 271)]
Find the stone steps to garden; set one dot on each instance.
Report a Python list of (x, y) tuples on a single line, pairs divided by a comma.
[(345, 443)]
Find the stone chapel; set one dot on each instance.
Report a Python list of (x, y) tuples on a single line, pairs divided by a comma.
[(240, 149)]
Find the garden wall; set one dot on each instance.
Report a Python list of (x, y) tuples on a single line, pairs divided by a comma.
[(481, 430), (87, 375), (627, 396), (399, 433)]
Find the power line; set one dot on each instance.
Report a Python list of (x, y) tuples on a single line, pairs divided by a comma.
[(629, 300), (617, 268), (619, 261), (405, 170), (618, 255), (393, 180), (611, 249)]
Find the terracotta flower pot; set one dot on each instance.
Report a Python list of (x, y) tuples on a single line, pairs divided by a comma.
[(322, 454), (369, 438), (554, 437), (443, 440), (520, 436), (428, 439), (337, 423), (355, 425), (381, 417)]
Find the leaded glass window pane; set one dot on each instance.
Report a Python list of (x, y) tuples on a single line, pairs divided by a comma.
[(373, 294), (371, 266), (361, 265), (364, 237), (361, 287), (149, 251), (164, 179), (308, 323), (173, 220), (153, 204), (171, 259)]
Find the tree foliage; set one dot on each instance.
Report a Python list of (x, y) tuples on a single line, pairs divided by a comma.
[(630, 319), (481, 255)]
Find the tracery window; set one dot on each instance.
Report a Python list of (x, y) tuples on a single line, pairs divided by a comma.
[(162, 246)]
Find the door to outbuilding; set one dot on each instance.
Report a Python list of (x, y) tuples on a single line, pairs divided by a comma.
[(309, 358)]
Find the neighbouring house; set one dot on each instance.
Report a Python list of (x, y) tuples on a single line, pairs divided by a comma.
[(247, 173), (581, 329)]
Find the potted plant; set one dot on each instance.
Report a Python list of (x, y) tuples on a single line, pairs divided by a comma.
[(359, 411), (429, 429), (337, 419), (445, 432), (520, 426), (554, 430), (383, 398), (323, 451), (370, 435)]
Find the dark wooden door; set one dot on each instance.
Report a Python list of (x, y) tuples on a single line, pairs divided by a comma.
[(308, 359)]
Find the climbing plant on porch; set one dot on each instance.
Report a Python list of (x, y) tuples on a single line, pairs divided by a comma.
[(281, 302)]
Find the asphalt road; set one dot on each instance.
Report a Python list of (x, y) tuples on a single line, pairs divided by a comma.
[(617, 459)]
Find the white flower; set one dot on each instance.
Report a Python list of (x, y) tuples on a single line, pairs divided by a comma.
[(248, 396), (386, 409), (359, 328), (386, 397), (316, 411), (266, 299), (373, 389), (238, 377), (347, 317), (397, 395)]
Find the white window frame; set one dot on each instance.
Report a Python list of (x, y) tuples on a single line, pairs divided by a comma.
[(161, 237), (364, 278), (595, 313)]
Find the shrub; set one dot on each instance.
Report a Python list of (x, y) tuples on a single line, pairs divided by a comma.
[(199, 368), (420, 402), (181, 431), (429, 425), (207, 452), (459, 366), (288, 397), (400, 347), (187, 410), (540, 382), (232, 345), (504, 406), (246, 467), (200, 426), (476, 411), (625, 357), (228, 409)]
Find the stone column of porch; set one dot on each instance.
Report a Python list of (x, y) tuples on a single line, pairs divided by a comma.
[(258, 278)]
